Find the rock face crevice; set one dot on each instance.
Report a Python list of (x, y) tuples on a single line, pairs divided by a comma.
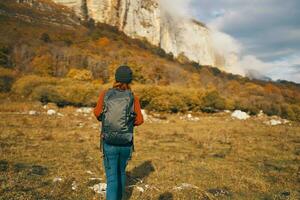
[(145, 19)]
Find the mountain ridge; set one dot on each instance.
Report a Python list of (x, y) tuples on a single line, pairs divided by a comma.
[(148, 20)]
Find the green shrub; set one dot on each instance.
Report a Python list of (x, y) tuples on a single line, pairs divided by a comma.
[(296, 110), (287, 112), (46, 94), (25, 85), (45, 38), (214, 100), (272, 109), (60, 91), (68, 92)]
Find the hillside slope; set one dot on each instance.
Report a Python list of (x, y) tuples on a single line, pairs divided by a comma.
[(48, 54), (152, 21)]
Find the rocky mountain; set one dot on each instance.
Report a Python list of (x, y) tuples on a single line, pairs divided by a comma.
[(146, 19)]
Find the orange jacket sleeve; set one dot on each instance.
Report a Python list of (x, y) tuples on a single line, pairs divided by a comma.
[(137, 109), (99, 106)]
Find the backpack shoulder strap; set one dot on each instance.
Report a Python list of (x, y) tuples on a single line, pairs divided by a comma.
[(106, 96)]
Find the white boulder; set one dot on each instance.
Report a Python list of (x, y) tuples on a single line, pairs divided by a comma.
[(51, 112), (140, 189), (32, 112), (57, 179), (240, 115), (274, 122), (99, 188)]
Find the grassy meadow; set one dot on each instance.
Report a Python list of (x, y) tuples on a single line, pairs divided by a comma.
[(216, 157), (49, 56)]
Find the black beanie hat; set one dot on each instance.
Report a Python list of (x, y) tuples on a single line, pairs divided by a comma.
[(123, 74)]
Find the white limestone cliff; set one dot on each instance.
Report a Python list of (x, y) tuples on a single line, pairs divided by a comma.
[(145, 19)]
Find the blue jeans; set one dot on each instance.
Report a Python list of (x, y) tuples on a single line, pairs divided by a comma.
[(115, 162)]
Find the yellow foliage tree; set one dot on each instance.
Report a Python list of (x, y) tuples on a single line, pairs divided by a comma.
[(234, 86), (103, 41), (43, 65), (253, 88), (272, 89), (80, 74)]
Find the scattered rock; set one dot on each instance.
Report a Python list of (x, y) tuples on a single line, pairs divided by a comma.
[(261, 114), (93, 181), (51, 112), (85, 110), (156, 118), (140, 189), (3, 165), (276, 121), (32, 112), (60, 114), (80, 125), (57, 179), (189, 117), (89, 172), (240, 115), (145, 116), (99, 188), (74, 185), (227, 111), (219, 192), (185, 186)]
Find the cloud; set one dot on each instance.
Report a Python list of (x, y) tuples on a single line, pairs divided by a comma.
[(264, 35), (177, 7), (267, 33)]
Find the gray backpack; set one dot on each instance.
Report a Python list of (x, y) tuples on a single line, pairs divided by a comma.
[(118, 117)]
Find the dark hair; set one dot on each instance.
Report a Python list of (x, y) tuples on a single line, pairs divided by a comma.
[(122, 86)]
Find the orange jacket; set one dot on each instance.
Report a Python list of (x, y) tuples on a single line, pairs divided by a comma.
[(137, 109)]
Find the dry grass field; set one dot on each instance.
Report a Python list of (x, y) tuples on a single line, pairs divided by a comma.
[(48, 55), (216, 157)]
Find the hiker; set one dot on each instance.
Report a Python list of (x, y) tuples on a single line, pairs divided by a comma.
[(119, 111)]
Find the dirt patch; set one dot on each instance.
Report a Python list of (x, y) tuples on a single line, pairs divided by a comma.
[(18, 167), (39, 170), (3, 165)]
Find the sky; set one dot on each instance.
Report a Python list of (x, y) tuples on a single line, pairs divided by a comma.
[(265, 33)]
